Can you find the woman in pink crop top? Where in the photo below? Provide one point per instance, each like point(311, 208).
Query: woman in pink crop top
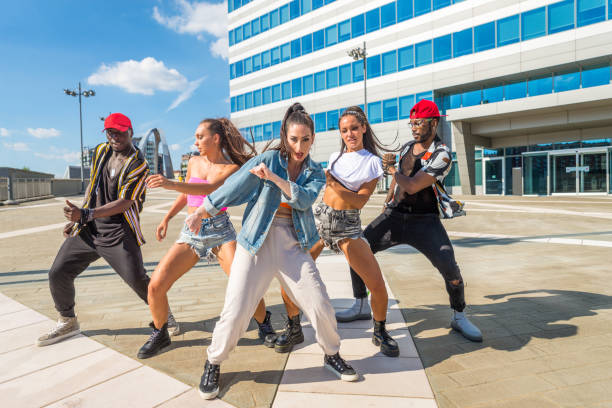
point(215, 139)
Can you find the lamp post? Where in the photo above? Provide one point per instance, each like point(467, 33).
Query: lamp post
point(358, 53)
point(87, 94)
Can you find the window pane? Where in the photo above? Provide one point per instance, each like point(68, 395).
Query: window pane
point(274, 18)
point(276, 127)
point(248, 66)
point(471, 98)
point(255, 29)
point(357, 25)
point(344, 74)
point(318, 40)
point(590, 11)
point(305, 6)
point(567, 82)
point(404, 10)
point(424, 95)
point(285, 52)
point(258, 133)
point(610, 18)
point(307, 85)
point(239, 69)
point(405, 58)
point(438, 4)
point(296, 49)
point(317, 3)
point(462, 43)
point(296, 87)
point(286, 90)
point(264, 21)
point(232, 71)
point(344, 30)
point(267, 131)
point(508, 30)
point(389, 62)
point(442, 48)
point(276, 55)
point(294, 9)
point(238, 34)
point(331, 76)
point(533, 24)
point(265, 59)
point(405, 104)
point(357, 71)
point(233, 104)
point(387, 15)
point(332, 120)
point(372, 20)
point(266, 96)
point(595, 76)
point(240, 102)
point(374, 66)
point(374, 112)
point(276, 93)
point(257, 97)
point(284, 14)
point(256, 62)
point(319, 80)
point(484, 37)
point(495, 94)
point(331, 35)
point(422, 53)
point(320, 123)
point(231, 37)
point(516, 90)
point(421, 7)
point(390, 110)
point(246, 31)
point(307, 44)
point(560, 16)
point(540, 86)
point(455, 101)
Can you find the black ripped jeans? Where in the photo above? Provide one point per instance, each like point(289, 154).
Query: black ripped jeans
point(426, 234)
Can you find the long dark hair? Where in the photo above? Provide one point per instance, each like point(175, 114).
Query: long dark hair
point(231, 141)
point(296, 114)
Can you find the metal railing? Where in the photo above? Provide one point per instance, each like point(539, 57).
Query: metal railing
point(23, 188)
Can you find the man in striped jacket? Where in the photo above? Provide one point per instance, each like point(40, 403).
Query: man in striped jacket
point(106, 226)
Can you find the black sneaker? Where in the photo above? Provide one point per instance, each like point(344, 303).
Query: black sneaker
point(159, 340)
point(338, 366)
point(209, 383)
point(291, 336)
point(266, 332)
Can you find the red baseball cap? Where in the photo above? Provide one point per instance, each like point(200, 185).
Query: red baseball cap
point(424, 109)
point(117, 121)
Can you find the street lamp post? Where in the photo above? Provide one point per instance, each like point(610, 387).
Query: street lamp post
point(87, 94)
point(358, 53)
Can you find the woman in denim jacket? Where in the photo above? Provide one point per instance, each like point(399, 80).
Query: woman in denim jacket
point(279, 187)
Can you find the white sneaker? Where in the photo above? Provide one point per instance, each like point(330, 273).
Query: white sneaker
point(66, 327)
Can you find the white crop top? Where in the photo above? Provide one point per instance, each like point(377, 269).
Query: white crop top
point(355, 168)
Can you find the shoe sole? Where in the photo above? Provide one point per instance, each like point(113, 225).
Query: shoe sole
point(209, 395)
point(287, 347)
point(467, 336)
point(352, 319)
point(343, 377)
point(57, 339)
point(389, 352)
point(162, 349)
point(269, 344)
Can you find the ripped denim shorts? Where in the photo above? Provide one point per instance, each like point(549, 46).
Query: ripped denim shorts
point(214, 232)
point(335, 225)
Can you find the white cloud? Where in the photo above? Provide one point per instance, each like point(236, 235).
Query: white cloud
point(18, 147)
point(174, 147)
point(199, 18)
point(42, 133)
point(186, 94)
point(4, 132)
point(69, 157)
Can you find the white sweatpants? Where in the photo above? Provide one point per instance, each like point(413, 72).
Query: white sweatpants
point(282, 257)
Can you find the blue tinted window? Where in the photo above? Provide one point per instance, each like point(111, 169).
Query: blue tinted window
point(285, 52)
point(264, 21)
point(318, 40)
point(294, 9)
point(344, 30)
point(539, 86)
point(257, 97)
point(274, 18)
point(276, 56)
point(560, 16)
point(375, 112)
point(374, 66)
point(421, 7)
point(248, 66)
point(533, 24)
point(255, 28)
point(258, 133)
point(276, 93)
point(331, 35)
point(516, 90)
point(284, 14)
point(233, 104)
point(405, 58)
point(296, 49)
point(495, 94)
point(462, 43)
point(240, 102)
point(239, 69)
point(265, 59)
point(507, 30)
point(455, 101)
point(231, 37)
point(256, 62)
point(442, 48)
point(595, 76)
point(246, 31)
point(307, 84)
point(316, 4)
point(405, 104)
point(238, 33)
point(422, 53)
point(357, 25)
point(404, 10)
point(357, 71)
point(276, 127)
point(389, 62)
point(267, 131)
point(331, 78)
point(319, 81)
point(266, 96)
point(306, 6)
point(438, 4)
point(387, 15)
point(232, 71)
point(567, 82)
point(484, 37)
point(344, 74)
point(390, 110)
point(590, 11)
point(372, 20)
point(610, 9)
point(320, 123)
point(286, 90)
point(471, 98)
point(424, 95)
point(296, 88)
point(307, 44)
point(332, 120)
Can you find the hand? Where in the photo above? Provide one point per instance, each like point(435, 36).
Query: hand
point(262, 171)
point(72, 212)
point(194, 222)
point(160, 232)
point(388, 162)
point(390, 170)
point(68, 229)
point(157, 180)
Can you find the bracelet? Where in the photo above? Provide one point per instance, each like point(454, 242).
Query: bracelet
point(87, 215)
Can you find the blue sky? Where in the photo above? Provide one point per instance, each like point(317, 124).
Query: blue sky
point(162, 63)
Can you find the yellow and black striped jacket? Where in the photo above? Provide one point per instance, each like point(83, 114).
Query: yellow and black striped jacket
point(131, 186)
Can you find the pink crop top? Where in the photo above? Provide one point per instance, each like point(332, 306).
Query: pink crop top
point(197, 200)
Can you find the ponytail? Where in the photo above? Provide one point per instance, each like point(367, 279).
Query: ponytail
point(231, 141)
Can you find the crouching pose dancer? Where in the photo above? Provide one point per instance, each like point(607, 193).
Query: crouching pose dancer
point(106, 226)
point(413, 208)
point(205, 173)
point(272, 245)
point(351, 180)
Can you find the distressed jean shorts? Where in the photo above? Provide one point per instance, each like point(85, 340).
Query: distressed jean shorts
point(215, 231)
point(336, 225)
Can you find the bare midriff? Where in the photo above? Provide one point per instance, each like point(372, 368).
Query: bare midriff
point(333, 200)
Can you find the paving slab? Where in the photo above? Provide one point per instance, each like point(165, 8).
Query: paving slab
point(302, 399)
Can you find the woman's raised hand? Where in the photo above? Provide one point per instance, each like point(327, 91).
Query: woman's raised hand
point(262, 171)
point(157, 180)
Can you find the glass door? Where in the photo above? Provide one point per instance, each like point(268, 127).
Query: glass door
point(563, 173)
point(592, 172)
point(535, 174)
point(494, 176)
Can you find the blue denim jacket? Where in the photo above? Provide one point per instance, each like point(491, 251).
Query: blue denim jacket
point(263, 198)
